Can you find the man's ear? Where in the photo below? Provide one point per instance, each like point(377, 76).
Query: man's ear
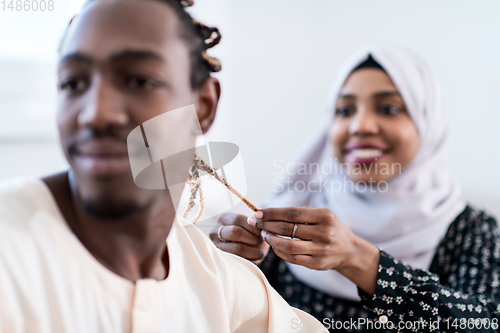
point(207, 101)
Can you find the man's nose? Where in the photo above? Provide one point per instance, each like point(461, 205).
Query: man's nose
point(104, 107)
point(364, 122)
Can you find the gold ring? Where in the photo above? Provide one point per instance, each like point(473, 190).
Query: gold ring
point(294, 230)
point(219, 234)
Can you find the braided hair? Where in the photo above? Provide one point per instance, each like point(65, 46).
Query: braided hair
point(199, 37)
point(195, 186)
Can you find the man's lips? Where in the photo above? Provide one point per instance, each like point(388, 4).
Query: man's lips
point(102, 157)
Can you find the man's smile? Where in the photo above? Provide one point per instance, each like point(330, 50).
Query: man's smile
point(102, 157)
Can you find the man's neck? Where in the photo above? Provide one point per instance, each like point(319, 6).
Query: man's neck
point(133, 247)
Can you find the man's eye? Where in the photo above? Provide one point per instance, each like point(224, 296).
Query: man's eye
point(140, 83)
point(345, 111)
point(390, 110)
point(74, 86)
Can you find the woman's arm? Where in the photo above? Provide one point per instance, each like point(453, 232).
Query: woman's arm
point(464, 298)
point(394, 292)
point(362, 269)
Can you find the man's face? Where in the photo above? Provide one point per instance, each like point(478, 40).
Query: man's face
point(122, 63)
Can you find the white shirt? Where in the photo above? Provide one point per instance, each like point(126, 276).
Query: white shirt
point(49, 282)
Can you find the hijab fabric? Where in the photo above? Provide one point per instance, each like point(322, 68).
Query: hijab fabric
point(408, 218)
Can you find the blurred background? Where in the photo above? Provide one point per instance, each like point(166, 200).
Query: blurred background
point(278, 59)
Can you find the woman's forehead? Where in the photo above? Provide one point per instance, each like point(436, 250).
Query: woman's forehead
point(367, 81)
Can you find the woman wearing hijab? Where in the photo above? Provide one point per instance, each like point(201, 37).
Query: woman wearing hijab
point(378, 234)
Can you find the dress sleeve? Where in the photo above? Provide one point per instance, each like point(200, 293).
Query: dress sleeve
point(464, 298)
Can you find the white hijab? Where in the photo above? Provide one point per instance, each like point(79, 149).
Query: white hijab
point(409, 219)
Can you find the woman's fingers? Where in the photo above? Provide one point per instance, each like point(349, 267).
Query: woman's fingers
point(302, 231)
point(298, 252)
point(297, 259)
point(294, 214)
point(290, 246)
point(235, 233)
point(321, 241)
point(243, 250)
point(240, 220)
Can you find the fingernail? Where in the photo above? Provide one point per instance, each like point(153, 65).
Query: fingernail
point(258, 214)
point(251, 220)
point(263, 233)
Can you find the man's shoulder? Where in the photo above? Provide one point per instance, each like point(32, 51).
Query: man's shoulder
point(17, 200)
point(223, 262)
point(242, 283)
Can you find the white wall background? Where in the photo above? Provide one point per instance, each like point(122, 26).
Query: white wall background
point(278, 58)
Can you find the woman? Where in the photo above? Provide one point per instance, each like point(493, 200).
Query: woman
point(381, 236)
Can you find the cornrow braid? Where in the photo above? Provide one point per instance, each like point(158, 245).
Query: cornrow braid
point(195, 186)
point(199, 37)
point(211, 37)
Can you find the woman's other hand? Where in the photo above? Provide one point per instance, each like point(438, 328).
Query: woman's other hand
point(238, 237)
point(321, 241)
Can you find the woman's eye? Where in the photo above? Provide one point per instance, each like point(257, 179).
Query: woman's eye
point(344, 111)
point(74, 86)
point(141, 83)
point(390, 110)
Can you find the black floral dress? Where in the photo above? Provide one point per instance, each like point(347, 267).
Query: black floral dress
point(459, 293)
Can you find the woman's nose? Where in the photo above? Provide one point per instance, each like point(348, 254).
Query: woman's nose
point(103, 107)
point(364, 122)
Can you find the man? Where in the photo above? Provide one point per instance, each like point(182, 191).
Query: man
point(85, 250)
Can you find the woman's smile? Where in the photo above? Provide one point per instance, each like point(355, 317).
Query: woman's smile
point(364, 153)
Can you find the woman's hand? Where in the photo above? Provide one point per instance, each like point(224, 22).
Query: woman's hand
point(321, 241)
point(239, 237)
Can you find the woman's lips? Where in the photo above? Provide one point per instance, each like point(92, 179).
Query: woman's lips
point(364, 155)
